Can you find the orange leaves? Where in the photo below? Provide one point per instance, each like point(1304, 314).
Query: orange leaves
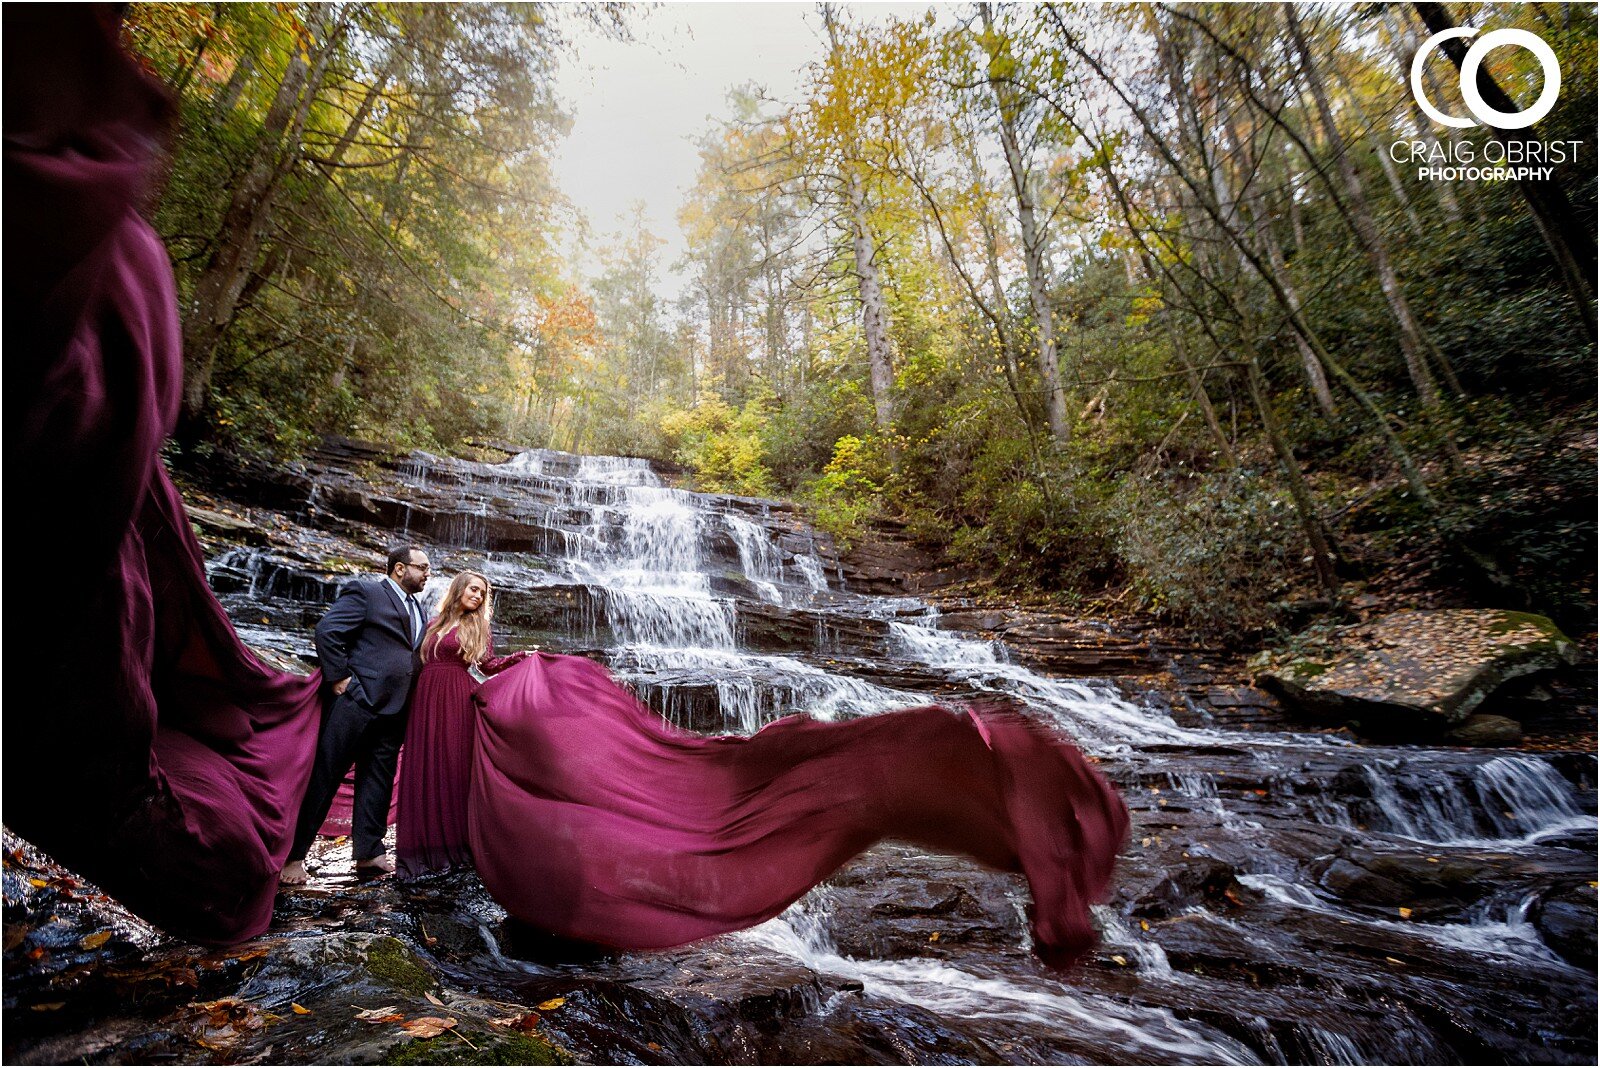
point(416, 1027)
point(96, 940)
point(387, 1014)
point(218, 1024)
point(526, 1022)
point(428, 1026)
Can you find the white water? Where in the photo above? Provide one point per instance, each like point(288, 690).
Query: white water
point(1517, 800)
point(938, 987)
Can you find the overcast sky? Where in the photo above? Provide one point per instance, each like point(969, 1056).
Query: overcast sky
point(638, 107)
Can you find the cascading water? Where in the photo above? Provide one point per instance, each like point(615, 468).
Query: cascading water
point(719, 612)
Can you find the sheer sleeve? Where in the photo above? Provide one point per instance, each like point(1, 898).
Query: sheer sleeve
point(493, 665)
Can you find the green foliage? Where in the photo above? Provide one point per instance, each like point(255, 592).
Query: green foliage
point(415, 295)
point(722, 445)
point(394, 220)
point(847, 493)
point(1214, 551)
point(496, 1048)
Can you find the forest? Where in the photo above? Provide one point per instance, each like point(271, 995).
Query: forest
point(1150, 307)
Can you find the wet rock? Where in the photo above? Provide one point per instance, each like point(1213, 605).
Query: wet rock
point(904, 904)
point(1485, 730)
point(1354, 883)
point(1566, 922)
point(1199, 882)
point(1436, 885)
point(978, 620)
point(227, 527)
point(1418, 671)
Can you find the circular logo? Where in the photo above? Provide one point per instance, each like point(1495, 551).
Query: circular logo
point(1504, 120)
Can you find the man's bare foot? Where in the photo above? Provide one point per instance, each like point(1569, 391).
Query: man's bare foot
point(375, 867)
point(293, 874)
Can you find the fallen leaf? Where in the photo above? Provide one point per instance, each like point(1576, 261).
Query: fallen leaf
point(433, 1000)
point(47, 1006)
point(16, 934)
point(219, 1024)
point(653, 1047)
point(387, 1014)
point(1144, 925)
point(96, 940)
point(1119, 959)
point(1394, 960)
point(553, 1003)
point(299, 1009)
point(427, 1026)
point(39, 882)
point(528, 1021)
point(1405, 913)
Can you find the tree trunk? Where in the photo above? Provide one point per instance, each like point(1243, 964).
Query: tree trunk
point(1267, 238)
point(1197, 387)
point(1033, 235)
point(1444, 190)
point(1375, 145)
point(1304, 504)
point(1315, 374)
point(1564, 233)
point(1414, 343)
point(244, 224)
point(234, 88)
point(874, 316)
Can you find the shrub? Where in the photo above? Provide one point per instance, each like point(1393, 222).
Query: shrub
point(1214, 550)
point(722, 444)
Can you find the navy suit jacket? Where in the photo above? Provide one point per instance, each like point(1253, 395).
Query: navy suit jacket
point(366, 637)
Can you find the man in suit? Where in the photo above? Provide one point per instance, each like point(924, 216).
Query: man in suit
point(369, 644)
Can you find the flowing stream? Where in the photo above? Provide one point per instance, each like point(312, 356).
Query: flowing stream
point(1286, 897)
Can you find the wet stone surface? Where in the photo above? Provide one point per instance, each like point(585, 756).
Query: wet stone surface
point(1283, 898)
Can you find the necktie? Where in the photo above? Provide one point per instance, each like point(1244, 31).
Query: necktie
point(416, 617)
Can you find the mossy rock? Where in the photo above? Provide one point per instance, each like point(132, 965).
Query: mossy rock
point(491, 1049)
point(1417, 673)
point(393, 964)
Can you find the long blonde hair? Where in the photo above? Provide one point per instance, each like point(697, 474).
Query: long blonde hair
point(472, 627)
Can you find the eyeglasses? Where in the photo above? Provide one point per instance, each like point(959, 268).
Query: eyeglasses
point(421, 567)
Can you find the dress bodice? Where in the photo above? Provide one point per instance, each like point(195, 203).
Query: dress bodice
point(445, 651)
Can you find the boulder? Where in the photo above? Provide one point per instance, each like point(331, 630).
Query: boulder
point(230, 528)
point(1419, 671)
point(1566, 921)
point(1485, 730)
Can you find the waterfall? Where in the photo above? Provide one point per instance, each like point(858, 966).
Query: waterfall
point(724, 614)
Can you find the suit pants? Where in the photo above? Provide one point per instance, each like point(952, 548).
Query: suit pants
point(352, 734)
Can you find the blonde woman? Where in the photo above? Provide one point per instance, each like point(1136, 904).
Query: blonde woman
point(431, 826)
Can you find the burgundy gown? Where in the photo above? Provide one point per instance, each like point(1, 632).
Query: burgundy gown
point(151, 751)
point(593, 819)
point(431, 828)
point(165, 762)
